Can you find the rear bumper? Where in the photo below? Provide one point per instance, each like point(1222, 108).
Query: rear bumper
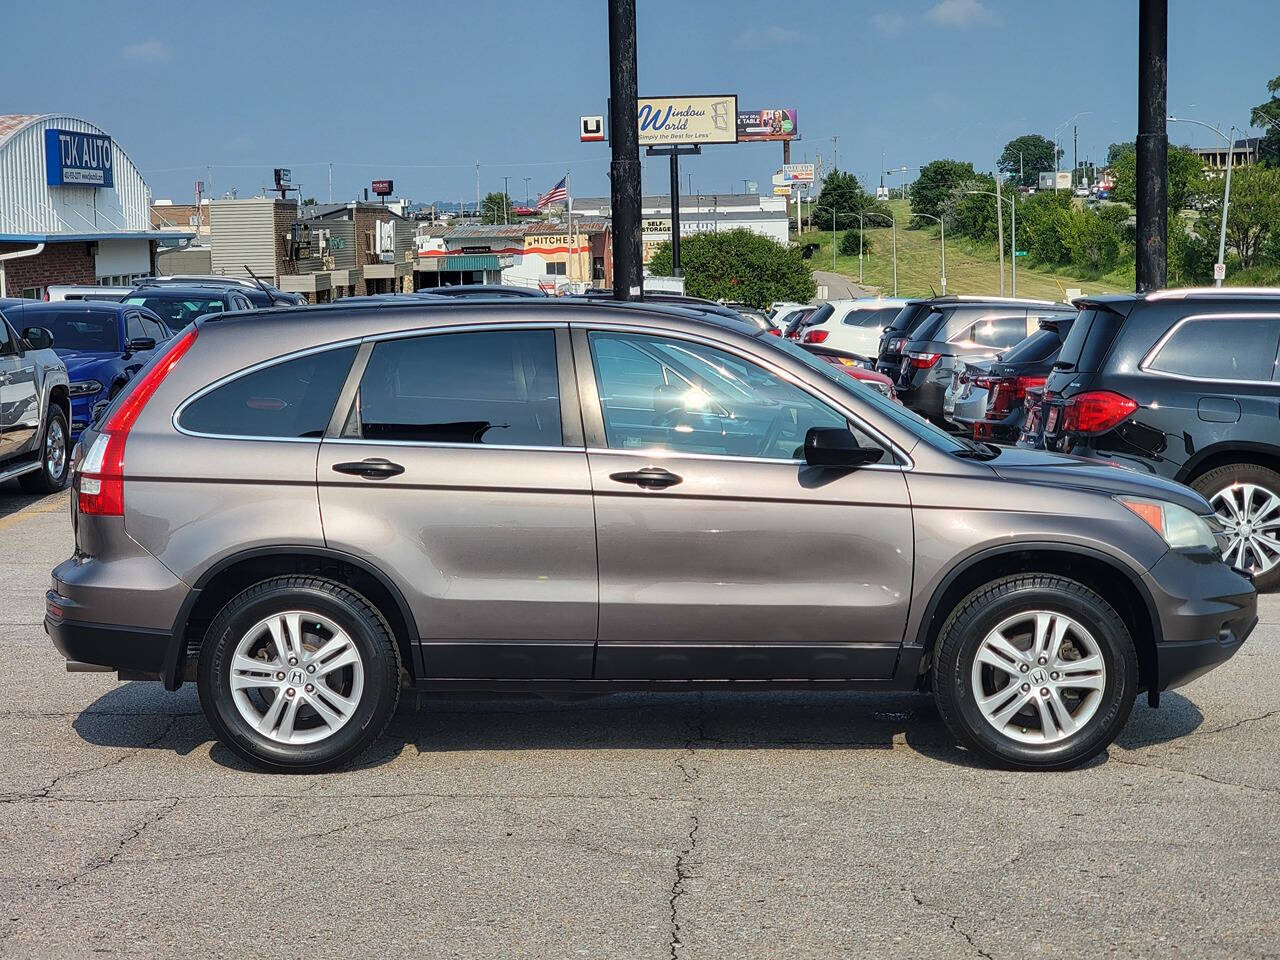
point(133, 650)
point(1207, 610)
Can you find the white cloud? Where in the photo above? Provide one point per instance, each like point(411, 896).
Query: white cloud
point(148, 51)
point(959, 13)
point(889, 23)
point(767, 37)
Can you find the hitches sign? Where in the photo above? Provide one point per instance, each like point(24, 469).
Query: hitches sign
point(667, 120)
point(74, 159)
point(592, 129)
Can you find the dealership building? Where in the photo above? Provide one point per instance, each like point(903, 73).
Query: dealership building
point(73, 208)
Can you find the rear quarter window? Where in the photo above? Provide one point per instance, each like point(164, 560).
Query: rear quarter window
point(1220, 348)
point(1090, 338)
point(292, 399)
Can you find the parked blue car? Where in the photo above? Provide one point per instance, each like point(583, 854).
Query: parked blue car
point(103, 344)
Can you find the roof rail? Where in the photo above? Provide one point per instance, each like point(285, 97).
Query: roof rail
point(1187, 293)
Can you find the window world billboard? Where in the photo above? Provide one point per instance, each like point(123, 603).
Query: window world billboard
point(671, 120)
point(75, 159)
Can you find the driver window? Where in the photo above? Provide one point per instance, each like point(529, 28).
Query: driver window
point(133, 327)
point(660, 393)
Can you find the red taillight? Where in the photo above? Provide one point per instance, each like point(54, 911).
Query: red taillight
point(1008, 393)
point(1096, 411)
point(816, 336)
point(775, 331)
point(100, 487)
point(922, 361)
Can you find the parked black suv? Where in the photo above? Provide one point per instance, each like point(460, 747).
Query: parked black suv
point(1182, 383)
point(959, 329)
point(895, 336)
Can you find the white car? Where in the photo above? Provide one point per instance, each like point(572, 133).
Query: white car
point(852, 326)
point(85, 292)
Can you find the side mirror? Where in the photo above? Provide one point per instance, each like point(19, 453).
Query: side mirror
point(139, 344)
point(40, 338)
point(836, 447)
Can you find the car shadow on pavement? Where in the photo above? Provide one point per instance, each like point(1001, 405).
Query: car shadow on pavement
point(13, 499)
point(142, 716)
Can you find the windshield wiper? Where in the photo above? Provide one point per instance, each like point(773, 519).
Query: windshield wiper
point(975, 450)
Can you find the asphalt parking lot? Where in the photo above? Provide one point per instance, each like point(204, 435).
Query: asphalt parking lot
point(663, 826)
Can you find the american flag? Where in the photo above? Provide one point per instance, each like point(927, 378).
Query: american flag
point(557, 194)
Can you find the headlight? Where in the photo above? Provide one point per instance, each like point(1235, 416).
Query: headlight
point(85, 388)
point(1179, 527)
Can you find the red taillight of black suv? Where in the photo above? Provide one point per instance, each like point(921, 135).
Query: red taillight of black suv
point(922, 361)
point(1006, 394)
point(1096, 411)
point(100, 485)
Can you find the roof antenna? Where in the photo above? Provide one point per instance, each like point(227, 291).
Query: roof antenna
point(263, 287)
point(932, 292)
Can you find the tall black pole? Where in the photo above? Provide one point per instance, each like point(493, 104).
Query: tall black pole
point(1153, 144)
point(675, 212)
point(624, 136)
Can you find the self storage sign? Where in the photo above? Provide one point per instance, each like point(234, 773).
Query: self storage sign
point(75, 159)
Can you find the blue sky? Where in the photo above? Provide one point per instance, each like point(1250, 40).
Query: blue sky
point(420, 92)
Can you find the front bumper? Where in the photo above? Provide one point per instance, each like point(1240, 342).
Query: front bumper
point(1207, 610)
point(82, 412)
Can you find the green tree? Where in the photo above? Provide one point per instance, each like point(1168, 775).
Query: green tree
point(1026, 156)
point(1118, 151)
point(496, 208)
point(1091, 241)
point(1042, 220)
point(1187, 182)
point(849, 245)
point(842, 194)
point(1252, 216)
point(739, 265)
point(934, 185)
point(1268, 115)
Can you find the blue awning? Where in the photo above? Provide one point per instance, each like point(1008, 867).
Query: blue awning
point(160, 235)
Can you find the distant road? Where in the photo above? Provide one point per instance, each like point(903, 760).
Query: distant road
point(839, 287)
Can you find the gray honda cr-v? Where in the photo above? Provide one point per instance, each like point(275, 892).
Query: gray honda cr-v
point(306, 510)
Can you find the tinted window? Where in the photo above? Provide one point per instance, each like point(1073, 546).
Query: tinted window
point(1089, 340)
point(6, 342)
point(133, 326)
point(871, 318)
point(910, 316)
point(1041, 345)
point(176, 310)
point(498, 387)
point(658, 393)
point(79, 328)
point(293, 398)
point(1221, 348)
point(154, 329)
point(997, 332)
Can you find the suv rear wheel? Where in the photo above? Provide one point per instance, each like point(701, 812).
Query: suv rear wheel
point(1035, 672)
point(1246, 498)
point(55, 451)
point(299, 674)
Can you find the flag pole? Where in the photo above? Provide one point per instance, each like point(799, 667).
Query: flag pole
point(569, 196)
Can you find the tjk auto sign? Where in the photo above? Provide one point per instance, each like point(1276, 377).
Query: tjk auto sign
point(75, 159)
point(668, 120)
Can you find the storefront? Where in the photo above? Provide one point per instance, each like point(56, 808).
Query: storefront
point(73, 208)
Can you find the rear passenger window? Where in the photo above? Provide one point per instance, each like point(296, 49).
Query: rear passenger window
point(998, 332)
point(292, 399)
point(493, 387)
point(1221, 348)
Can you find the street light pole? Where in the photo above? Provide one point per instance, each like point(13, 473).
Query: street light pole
point(860, 241)
point(1013, 233)
point(942, 224)
point(1226, 192)
point(1000, 232)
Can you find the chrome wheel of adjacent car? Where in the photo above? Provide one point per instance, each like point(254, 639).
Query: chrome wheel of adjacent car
point(296, 677)
point(55, 449)
point(1251, 515)
point(1038, 677)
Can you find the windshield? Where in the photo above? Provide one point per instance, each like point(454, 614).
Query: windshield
point(177, 310)
point(80, 330)
point(915, 424)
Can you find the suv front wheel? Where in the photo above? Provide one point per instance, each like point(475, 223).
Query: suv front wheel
point(299, 674)
point(1035, 672)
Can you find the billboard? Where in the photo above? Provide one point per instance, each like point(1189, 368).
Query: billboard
point(767, 125)
point(591, 129)
point(1051, 180)
point(668, 120)
point(284, 178)
point(796, 173)
point(75, 159)
point(382, 188)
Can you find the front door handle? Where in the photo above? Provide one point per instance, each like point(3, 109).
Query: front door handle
point(374, 468)
point(651, 478)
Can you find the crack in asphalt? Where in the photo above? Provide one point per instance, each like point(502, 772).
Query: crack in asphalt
point(102, 862)
point(1199, 776)
point(689, 774)
point(955, 925)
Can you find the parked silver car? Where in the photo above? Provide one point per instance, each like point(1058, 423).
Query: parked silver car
point(35, 410)
point(317, 506)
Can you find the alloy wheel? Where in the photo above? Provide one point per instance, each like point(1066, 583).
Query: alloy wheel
point(1251, 516)
point(296, 677)
point(55, 450)
point(1038, 677)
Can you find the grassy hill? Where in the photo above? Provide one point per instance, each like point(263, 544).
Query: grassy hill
point(971, 267)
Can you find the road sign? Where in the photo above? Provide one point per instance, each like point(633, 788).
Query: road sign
point(779, 191)
point(591, 129)
point(1219, 271)
point(1019, 253)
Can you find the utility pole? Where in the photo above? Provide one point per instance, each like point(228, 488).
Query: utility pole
point(331, 181)
point(624, 169)
point(477, 188)
point(835, 154)
point(1153, 145)
point(526, 190)
point(504, 202)
point(1075, 155)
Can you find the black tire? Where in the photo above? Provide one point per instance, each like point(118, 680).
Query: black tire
point(50, 480)
point(1208, 485)
point(347, 609)
point(977, 615)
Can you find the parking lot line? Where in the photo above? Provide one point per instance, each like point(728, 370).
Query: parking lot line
point(39, 507)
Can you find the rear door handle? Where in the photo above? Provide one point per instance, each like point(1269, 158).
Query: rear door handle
point(651, 478)
point(374, 468)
